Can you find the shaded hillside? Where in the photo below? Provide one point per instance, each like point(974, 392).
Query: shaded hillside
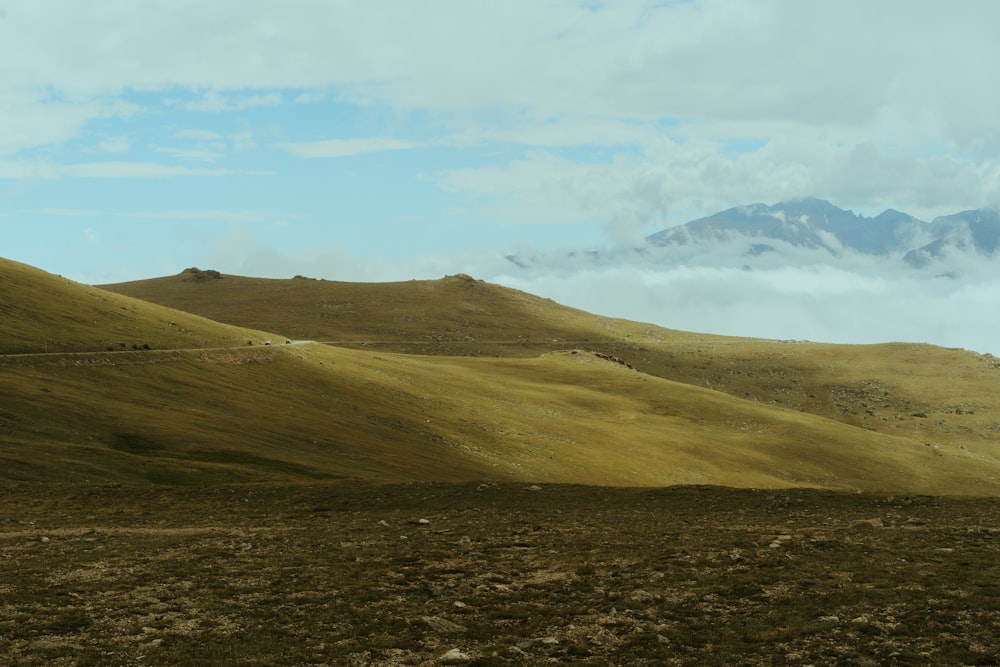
point(46, 313)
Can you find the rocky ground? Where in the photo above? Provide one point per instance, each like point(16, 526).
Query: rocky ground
point(485, 574)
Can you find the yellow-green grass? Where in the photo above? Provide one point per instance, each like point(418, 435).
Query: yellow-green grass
point(310, 412)
point(43, 313)
point(938, 397)
point(692, 409)
point(453, 315)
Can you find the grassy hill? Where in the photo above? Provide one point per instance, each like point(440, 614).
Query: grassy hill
point(456, 315)
point(46, 313)
point(544, 411)
point(945, 399)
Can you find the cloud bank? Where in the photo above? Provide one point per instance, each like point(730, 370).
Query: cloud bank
point(854, 300)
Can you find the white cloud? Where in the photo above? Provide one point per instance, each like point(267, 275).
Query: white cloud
point(669, 182)
point(65, 212)
point(198, 135)
point(855, 301)
point(817, 80)
point(45, 170)
point(234, 216)
point(31, 118)
point(821, 303)
point(195, 154)
point(722, 59)
point(330, 148)
point(215, 101)
point(115, 145)
point(636, 114)
point(309, 98)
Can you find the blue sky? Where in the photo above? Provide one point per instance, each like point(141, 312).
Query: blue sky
point(388, 139)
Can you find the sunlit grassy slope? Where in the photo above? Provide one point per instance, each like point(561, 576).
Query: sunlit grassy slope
point(313, 411)
point(943, 398)
point(45, 313)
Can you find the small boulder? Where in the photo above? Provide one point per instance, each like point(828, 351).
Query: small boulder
point(455, 657)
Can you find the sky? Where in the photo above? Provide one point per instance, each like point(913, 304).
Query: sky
point(377, 140)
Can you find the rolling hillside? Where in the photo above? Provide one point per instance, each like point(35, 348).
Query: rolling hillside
point(46, 313)
point(938, 397)
point(310, 412)
point(454, 315)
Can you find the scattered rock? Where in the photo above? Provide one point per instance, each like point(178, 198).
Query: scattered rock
point(454, 657)
point(198, 275)
point(641, 596)
point(779, 540)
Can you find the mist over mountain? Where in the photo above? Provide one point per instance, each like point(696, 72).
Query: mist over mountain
point(973, 232)
point(807, 223)
point(799, 269)
point(806, 230)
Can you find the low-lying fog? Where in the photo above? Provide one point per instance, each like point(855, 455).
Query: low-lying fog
point(789, 293)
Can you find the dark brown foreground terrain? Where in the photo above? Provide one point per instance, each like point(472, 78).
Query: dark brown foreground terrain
point(356, 573)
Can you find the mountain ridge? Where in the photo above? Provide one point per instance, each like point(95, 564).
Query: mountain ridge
point(810, 225)
point(807, 222)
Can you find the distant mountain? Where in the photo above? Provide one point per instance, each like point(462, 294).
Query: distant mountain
point(976, 231)
point(805, 223)
point(781, 232)
point(813, 223)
